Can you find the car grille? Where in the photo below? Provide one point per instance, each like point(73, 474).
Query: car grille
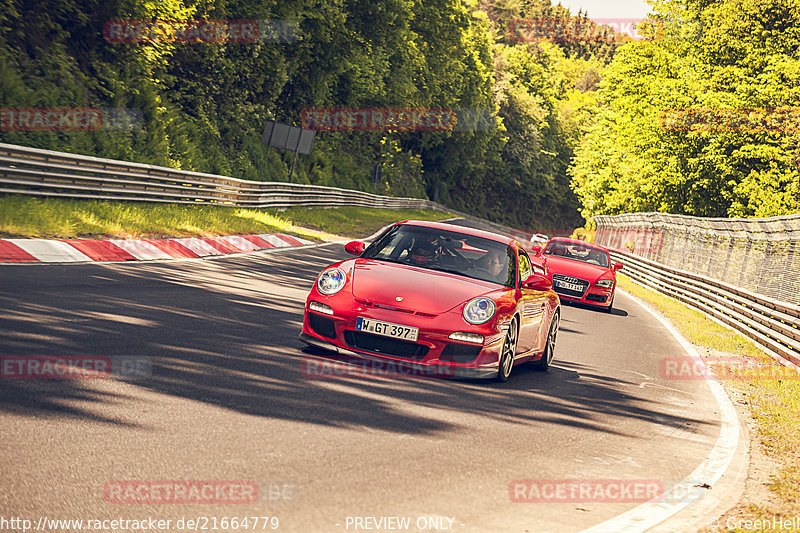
point(596, 297)
point(385, 345)
point(460, 353)
point(321, 325)
point(569, 292)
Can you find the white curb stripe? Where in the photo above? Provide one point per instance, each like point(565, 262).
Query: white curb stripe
point(141, 250)
point(198, 246)
point(647, 515)
point(62, 251)
point(50, 251)
point(274, 240)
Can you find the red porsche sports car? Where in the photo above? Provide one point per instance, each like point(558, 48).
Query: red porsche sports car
point(581, 272)
point(442, 299)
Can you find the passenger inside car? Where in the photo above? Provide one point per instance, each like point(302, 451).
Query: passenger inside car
point(559, 250)
point(595, 257)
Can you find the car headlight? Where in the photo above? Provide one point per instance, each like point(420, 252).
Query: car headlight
point(479, 310)
point(607, 283)
point(538, 270)
point(331, 281)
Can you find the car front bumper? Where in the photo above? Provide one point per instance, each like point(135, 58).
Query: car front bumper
point(594, 296)
point(407, 368)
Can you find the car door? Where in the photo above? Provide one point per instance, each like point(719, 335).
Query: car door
point(532, 308)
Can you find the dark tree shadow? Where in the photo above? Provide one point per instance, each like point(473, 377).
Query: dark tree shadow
point(225, 332)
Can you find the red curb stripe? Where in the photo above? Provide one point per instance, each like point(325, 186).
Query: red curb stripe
point(221, 245)
point(11, 253)
point(240, 242)
point(290, 240)
point(174, 249)
point(258, 241)
point(100, 250)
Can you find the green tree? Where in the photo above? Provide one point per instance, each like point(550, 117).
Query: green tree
point(703, 60)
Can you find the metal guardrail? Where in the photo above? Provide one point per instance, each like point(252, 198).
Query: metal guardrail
point(773, 324)
point(38, 172)
point(33, 171)
point(761, 255)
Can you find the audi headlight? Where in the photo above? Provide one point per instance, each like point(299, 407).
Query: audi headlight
point(479, 310)
point(607, 283)
point(331, 281)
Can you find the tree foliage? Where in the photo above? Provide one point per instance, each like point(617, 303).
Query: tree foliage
point(704, 60)
point(203, 105)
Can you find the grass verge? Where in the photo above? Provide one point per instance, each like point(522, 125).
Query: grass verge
point(25, 216)
point(772, 402)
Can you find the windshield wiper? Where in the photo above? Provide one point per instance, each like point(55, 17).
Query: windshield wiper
point(387, 259)
point(449, 271)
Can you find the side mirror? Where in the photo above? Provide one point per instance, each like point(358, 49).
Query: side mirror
point(536, 250)
point(355, 247)
point(617, 266)
point(537, 282)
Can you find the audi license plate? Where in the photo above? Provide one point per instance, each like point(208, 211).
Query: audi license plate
point(570, 286)
point(387, 329)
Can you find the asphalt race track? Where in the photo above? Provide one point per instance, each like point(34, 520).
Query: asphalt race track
point(223, 393)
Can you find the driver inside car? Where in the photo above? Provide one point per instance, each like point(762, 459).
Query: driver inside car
point(423, 254)
point(495, 263)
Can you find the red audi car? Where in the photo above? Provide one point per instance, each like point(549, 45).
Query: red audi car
point(442, 299)
point(581, 272)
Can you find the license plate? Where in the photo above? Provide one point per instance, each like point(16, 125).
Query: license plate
point(387, 329)
point(569, 286)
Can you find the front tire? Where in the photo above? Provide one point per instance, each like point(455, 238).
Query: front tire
point(506, 362)
point(610, 306)
point(543, 364)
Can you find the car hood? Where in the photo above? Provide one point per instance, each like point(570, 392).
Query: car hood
point(578, 269)
point(421, 290)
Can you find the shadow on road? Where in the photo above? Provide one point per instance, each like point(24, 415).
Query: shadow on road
point(224, 332)
point(615, 311)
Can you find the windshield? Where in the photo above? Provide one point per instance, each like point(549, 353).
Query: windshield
point(447, 251)
point(578, 252)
